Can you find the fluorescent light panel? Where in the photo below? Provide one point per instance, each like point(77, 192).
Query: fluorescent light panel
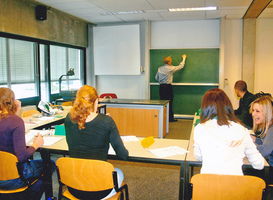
point(123, 12)
point(192, 9)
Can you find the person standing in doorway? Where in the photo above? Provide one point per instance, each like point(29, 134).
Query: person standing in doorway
point(164, 76)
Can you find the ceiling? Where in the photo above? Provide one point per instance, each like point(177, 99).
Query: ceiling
point(94, 11)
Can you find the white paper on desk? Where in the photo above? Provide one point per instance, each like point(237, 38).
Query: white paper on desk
point(111, 151)
point(129, 138)
point(42, 132)
point(46, 118)
point(32, 133)
point(49, 140)
point(168, 151)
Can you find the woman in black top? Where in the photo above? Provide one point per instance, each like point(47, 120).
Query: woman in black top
point(89, 133)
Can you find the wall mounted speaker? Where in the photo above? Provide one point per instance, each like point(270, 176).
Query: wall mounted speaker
point(40, 12)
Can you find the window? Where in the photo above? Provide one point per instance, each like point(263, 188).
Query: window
point(21, 71)
point(18, 67)
point(61, 60)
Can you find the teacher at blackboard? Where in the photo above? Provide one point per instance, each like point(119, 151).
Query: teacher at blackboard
point(164, 76)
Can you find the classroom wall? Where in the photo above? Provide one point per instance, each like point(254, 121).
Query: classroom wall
point(264, 56)
point(231, 41)
point(173, 34)
point(18, 17)
point(185, 34)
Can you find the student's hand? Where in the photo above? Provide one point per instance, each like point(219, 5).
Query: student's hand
point(184, 56)
point(108, 114)
point(38, 141)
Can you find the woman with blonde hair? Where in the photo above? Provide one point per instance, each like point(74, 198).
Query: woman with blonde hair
point(262, 113)
point(12, 140)
point(89, 133)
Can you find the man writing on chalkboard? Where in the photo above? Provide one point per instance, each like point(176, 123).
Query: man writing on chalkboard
point(164, 76)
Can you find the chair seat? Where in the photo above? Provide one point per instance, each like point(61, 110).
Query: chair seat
point(13, 191)
point(68, 195)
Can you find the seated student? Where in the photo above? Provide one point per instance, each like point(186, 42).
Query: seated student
point(246, 99)
point(12, 140)
point(262, 113)
point(215, 135)
point(89, 133)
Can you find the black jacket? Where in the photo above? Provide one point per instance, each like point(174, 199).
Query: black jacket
point(243, 111)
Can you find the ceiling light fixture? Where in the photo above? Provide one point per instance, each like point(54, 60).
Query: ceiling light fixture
point(192, 9)
point(123, 12)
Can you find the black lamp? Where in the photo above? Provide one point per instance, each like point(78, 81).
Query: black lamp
point(69, 73)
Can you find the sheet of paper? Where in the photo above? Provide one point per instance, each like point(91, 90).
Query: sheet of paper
point(49, 140)
point(129, 138)
point(32, 133)
point(111, 151)
point(168, 151)
point(42, 132)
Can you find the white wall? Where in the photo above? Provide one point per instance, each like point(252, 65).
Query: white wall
point(232, 47)
point(185, 34)
point(264, 56)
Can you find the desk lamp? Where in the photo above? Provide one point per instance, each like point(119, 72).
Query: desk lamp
point(69, 73)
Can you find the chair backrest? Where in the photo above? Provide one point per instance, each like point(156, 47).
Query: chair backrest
point(8, 169)
point(67, 103)
point(30, 113)
point(228, 187)
point(112, 95)
point(85, 174)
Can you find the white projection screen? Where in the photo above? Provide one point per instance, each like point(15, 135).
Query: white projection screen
point(117, 50)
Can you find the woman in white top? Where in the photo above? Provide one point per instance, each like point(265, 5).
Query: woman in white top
point(214, 137)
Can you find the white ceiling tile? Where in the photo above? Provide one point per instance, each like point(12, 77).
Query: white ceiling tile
point(156, 10)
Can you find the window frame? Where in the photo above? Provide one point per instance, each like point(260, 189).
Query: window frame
point(52, 97)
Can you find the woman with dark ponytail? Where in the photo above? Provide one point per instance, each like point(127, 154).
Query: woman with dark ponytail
point(89, 133)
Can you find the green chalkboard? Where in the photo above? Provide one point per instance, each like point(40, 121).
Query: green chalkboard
point(202, 65)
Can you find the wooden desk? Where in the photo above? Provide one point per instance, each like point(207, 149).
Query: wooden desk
point(139, 117)
point(136, 153)
point(191, 162)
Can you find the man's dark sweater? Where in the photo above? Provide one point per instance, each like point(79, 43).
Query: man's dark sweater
point(243, 111)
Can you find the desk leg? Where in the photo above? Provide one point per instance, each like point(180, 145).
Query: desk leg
point(181, 182)
point(47, 179)
point(186, 181)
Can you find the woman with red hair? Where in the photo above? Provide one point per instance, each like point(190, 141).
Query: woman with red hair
point(89, 133)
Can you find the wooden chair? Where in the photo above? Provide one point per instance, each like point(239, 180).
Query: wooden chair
point(88, 175)
point(67, 103)
point(111, 95)
point(227, 187)
point(30, 113)
point(9, 171)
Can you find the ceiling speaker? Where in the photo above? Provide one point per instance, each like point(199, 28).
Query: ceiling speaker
point(40, 12)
